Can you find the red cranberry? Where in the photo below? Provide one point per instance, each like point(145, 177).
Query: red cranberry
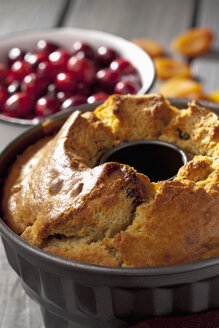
point(66, 81)
point(15, 54)
point(35, 58)
point(122, 66)
point(97, 66)
point(19, 105)
point(82, 89)
point(51, 89)
point(46, 46)
point(47, 70)
point(84, 48)
point(75, 100)
point(97, 97)
point(20, 68)
point(3, 96)
point(96, 88)
point(80, 54)
point(10, 114)
point(133, 79)
point(3, 74)
point(125, 87)
point(14, 87)
point(83, 68)
point(30, 117)
point(105, 55)
point(107, 77)
point(61, 96)
point(10, 77)
point(34, 85)
point(59, 59)
point(46, 106)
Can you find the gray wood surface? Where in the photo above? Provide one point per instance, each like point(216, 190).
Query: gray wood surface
point(17, 310)
point(9, 132)
point(158, 19)
point(206, 67)
point(28, 14)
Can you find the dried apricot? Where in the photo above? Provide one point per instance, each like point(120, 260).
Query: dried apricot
point(182, 87)
point(193, 42)
point(152, 47)
point(169, 67)
point(213, 96)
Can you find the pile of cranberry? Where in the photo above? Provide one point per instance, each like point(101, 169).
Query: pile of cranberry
point(52, 78)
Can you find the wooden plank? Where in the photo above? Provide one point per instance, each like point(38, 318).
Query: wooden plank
point(16, 308)
point(8, 132)
point(160, 20)
point(28, 14)
point(208, 16)
point(206, 67)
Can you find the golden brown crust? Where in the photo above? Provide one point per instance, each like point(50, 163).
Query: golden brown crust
point(57, 197)
point(195, 130)
point(65, 197)
point(107, 192)
point(93, 253)
point(180, 225)
point(15, 182)
point(134, 118)
point(89, 146)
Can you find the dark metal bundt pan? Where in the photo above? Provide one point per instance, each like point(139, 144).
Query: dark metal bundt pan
point(73, 294)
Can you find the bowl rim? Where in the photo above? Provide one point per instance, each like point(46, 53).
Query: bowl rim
point(170, 270)
point(50, 32)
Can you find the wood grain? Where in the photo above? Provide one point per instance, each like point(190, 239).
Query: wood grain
point(131, 19)
point(161, 20)
point(28, 14)
point(206, 67)
point(17, 310)
point(8, 132)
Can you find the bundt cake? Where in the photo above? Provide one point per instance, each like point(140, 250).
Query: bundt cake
point(57, 197)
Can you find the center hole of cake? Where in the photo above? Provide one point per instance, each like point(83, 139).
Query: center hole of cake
point(157, 159)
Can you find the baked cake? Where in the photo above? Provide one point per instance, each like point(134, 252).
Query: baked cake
point(57, 197)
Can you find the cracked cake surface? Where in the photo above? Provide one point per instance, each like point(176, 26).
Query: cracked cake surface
point(57, 197)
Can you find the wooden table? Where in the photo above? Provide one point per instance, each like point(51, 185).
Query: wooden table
point(161, 20)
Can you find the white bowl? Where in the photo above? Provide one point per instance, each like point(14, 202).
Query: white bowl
point(66, 36)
